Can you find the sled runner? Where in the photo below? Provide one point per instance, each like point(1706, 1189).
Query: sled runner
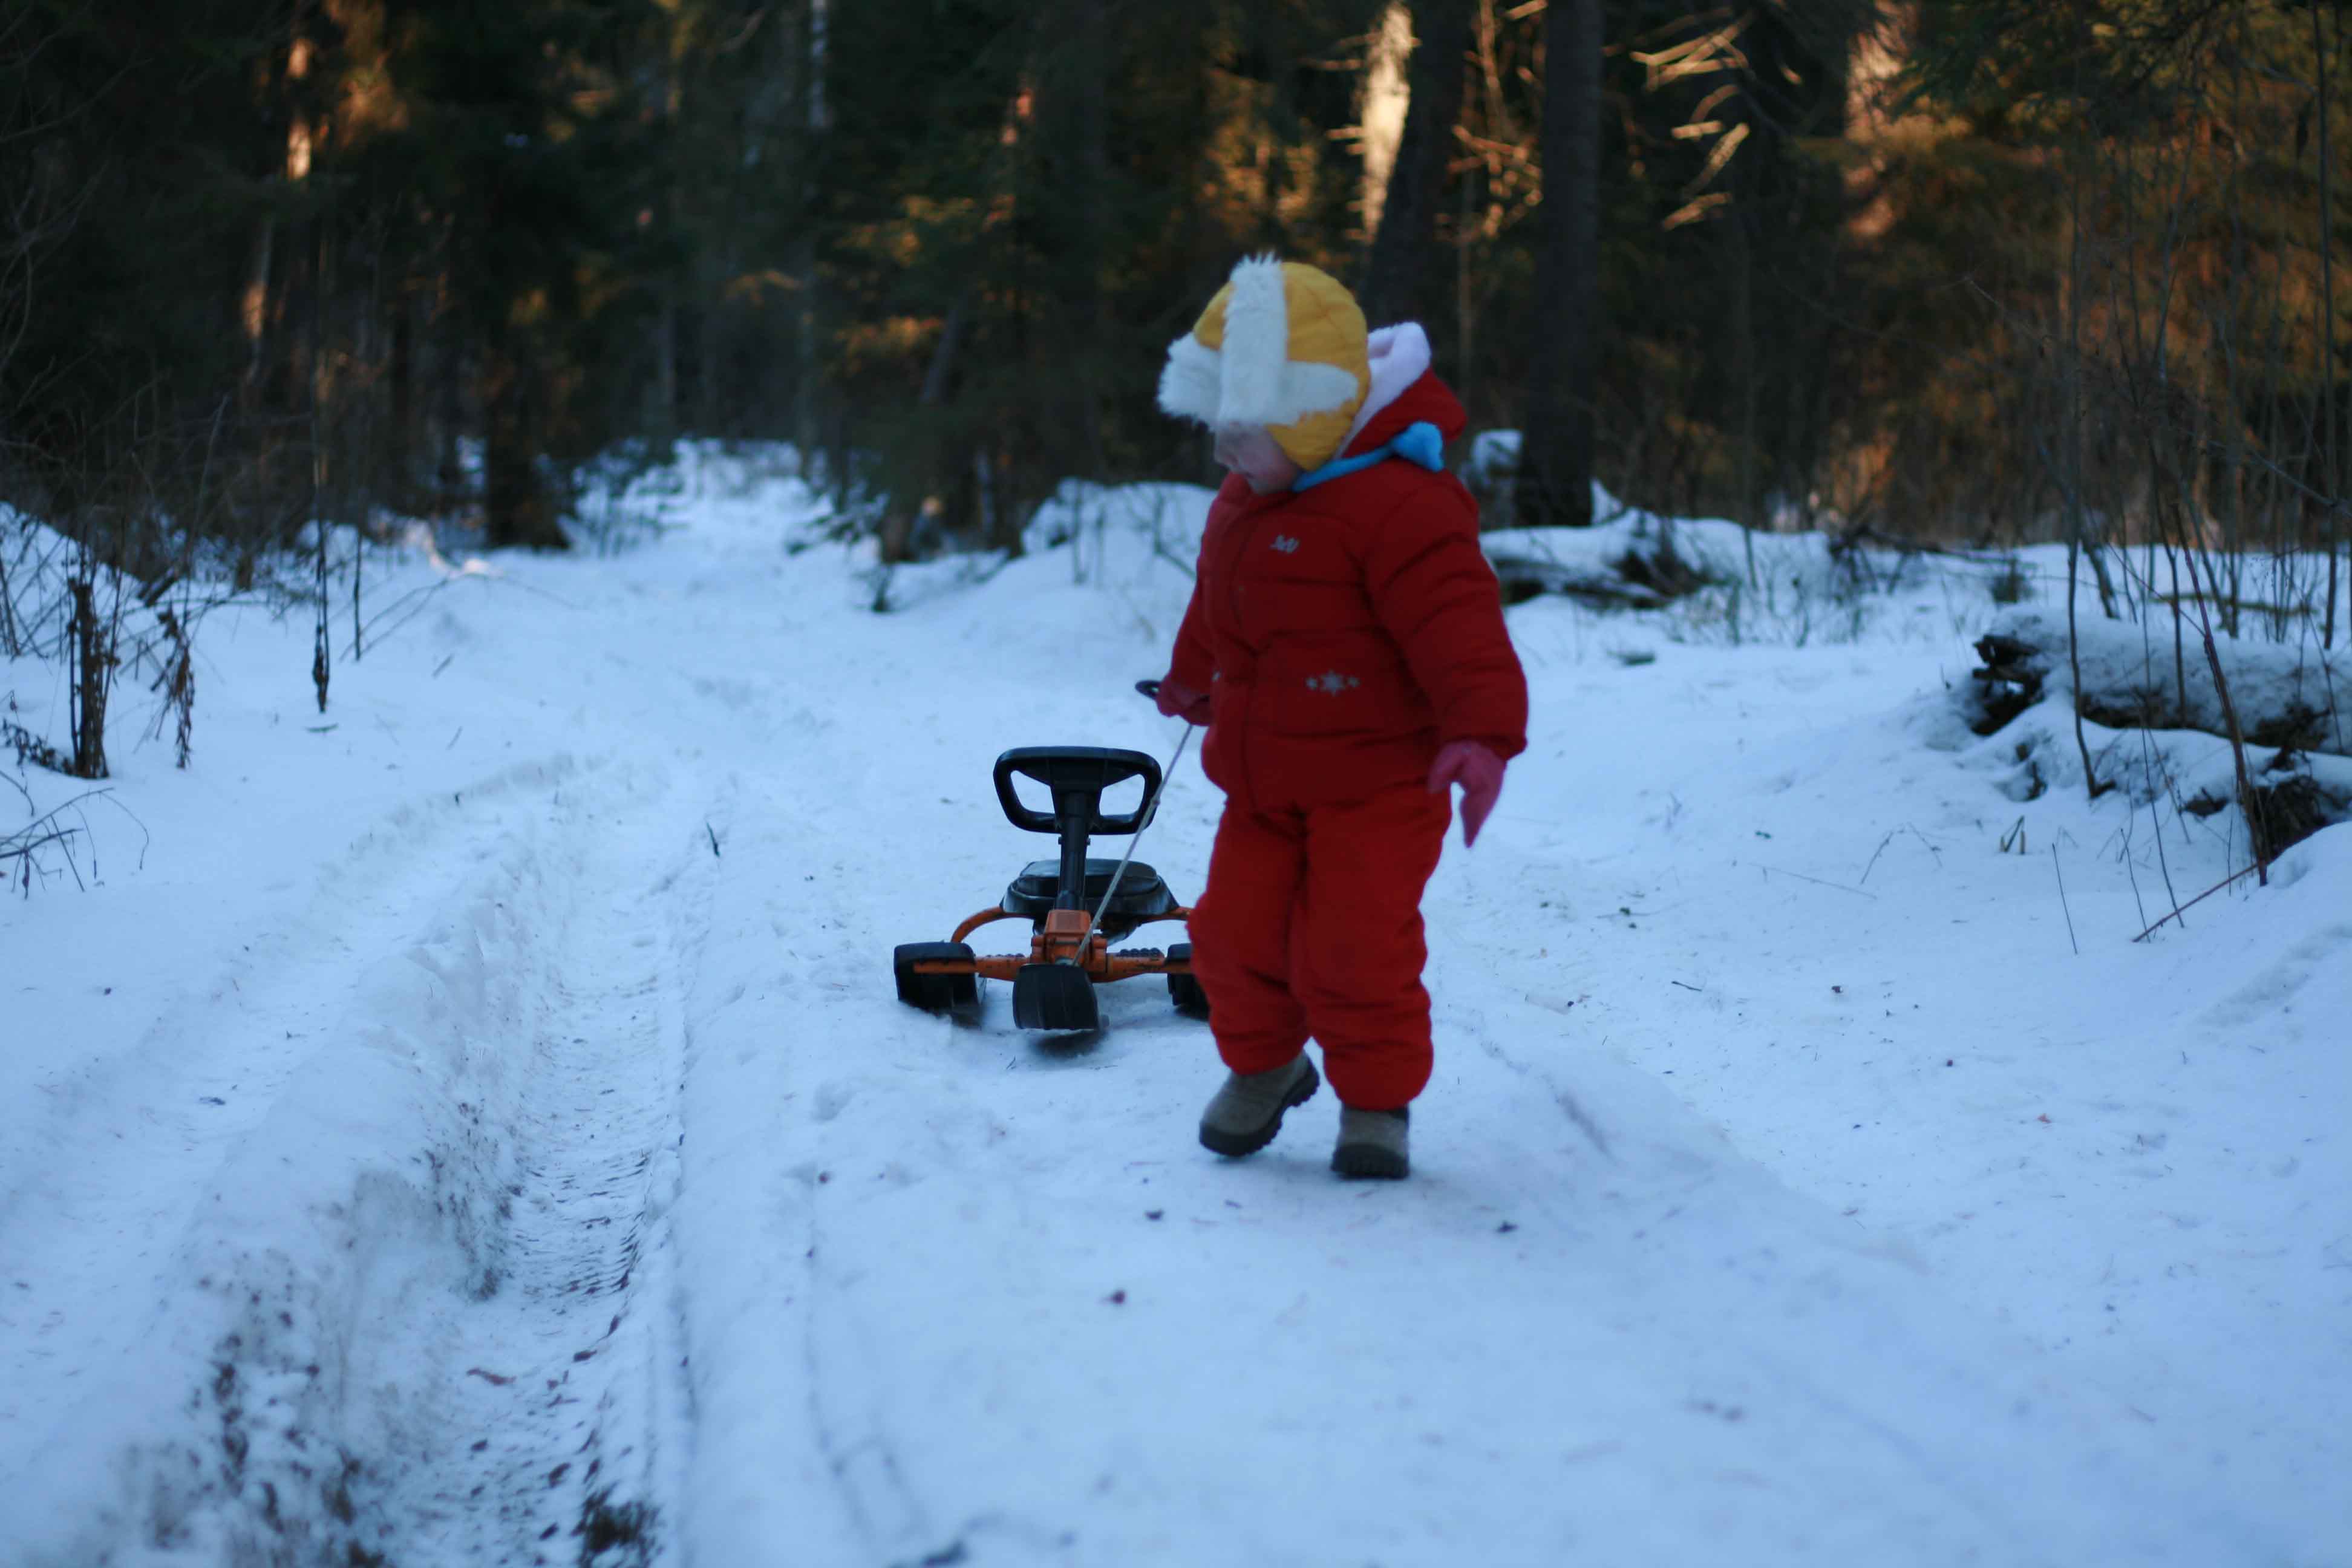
point(1076, 907)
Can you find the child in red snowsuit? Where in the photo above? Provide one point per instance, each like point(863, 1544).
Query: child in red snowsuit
point(1345, 647)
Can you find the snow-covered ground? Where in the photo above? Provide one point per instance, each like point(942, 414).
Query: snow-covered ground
point(475, 1125)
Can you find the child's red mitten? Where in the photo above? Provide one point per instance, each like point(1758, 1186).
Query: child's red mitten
point(1179, 700)
point(1475, 767)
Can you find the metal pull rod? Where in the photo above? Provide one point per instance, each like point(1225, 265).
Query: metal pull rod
point(1151, 810)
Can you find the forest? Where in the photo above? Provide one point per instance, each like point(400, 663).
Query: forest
point(1977, 273)
point(668, 856)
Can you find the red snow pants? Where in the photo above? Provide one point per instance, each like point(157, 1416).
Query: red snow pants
point(1310, 925)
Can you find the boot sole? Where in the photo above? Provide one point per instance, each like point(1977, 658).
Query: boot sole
point(1235, 1145)
point(1370, 1161)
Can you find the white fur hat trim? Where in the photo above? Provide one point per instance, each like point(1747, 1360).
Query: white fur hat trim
point(1253, 380)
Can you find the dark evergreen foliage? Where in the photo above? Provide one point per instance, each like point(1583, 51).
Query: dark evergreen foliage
point(263, 261)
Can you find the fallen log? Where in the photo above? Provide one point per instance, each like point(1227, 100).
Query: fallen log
point(1643, 574)
point(1525, 577)
point(2154, 675)
point(2289, 701)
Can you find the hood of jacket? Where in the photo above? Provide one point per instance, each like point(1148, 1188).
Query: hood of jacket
point(1405, 391)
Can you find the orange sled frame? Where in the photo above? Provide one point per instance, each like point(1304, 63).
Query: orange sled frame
point(1069, 955)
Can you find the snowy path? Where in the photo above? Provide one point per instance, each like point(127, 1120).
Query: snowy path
point(1033, 1324)
point(525, 1159)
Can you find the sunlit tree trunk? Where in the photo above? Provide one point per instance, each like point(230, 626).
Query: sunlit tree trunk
point(1555, 478)
point(1404, 247)
point(1383, 101)
point(253, 308)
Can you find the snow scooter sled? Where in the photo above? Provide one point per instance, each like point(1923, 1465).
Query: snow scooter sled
point(1076, 907)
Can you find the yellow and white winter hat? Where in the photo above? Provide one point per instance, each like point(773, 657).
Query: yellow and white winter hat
point(1282, 345)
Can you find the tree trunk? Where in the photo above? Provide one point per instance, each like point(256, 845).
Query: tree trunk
point(939, 381)
point(1095, 63)
point(662, 416)
point(401, 415)
point(254, 308)
point(321, 643)
point(808, 359)
point(1556, 436)
point(449, 405)
point(2328, 328)
point(1404, 247)
point(517, 511)
point(809, 323)
point(90, 648)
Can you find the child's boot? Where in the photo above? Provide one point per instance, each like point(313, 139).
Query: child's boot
point(1372, 1143)
point(1247, 1112)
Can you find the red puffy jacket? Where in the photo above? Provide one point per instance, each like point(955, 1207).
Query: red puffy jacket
point(1346, 632)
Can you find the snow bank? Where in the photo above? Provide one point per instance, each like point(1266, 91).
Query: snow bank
point(1716, 583)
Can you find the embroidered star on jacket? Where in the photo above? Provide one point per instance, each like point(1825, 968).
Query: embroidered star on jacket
point(1331, 683)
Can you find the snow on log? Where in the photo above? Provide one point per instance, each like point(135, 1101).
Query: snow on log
point(2154, 675)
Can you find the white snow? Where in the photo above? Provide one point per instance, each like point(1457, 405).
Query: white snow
point(475, 1125)
point(2171, 676)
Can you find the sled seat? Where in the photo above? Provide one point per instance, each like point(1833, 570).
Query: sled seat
point(1141, 893)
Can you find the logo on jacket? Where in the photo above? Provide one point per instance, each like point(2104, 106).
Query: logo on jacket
point(1331, 683)
point(1286, 545)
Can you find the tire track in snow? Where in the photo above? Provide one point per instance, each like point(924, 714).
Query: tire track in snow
point(570, 1385)
point(201, 1078)
point(171, 1107)
point(430, 1292)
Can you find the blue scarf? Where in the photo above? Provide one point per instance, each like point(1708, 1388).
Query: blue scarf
point(1418, 442)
